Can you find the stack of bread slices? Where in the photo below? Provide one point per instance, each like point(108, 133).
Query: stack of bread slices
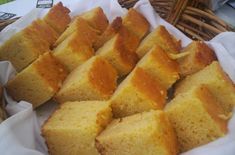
point(121, 89)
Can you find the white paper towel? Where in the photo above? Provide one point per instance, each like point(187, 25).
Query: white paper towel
point(20, 133)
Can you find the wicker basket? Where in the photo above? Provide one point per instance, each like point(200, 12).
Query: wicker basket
point(192, 17)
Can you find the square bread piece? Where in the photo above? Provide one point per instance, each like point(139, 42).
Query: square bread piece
point(161, 37)
point(58, 17)
point(42, 29)
point(216, 80)
point(38, 82)
point(136, 23)
point(197, 118)
point(74, 51)
point(157, 63)
point(26, 45)
point(200, 55)
point(115, 52)
point(96, 18)
point(109, 32)
point(147, 133)
point(71, 129)
point(94, 80)
point(81, 26)
point(138, 92)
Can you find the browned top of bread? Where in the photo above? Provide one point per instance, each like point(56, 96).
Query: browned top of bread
point(105, 83)
point(58, 17)
point(200, 55)
point(109, 32)
point(81, 26)
point(96, 18)
point(168, 40)
point(43, 30)
point(162, 58)
point(51, 75)
point(136, 23)
point(145, 83)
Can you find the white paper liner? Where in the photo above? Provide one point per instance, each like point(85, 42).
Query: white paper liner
point(20, 133)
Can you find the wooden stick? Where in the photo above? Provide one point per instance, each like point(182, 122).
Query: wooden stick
point(208, 15)
point(200, 32)
point(200, 23)
point(189, 32)
point(207, 20)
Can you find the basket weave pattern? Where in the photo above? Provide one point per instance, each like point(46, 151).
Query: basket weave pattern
point(192, 17)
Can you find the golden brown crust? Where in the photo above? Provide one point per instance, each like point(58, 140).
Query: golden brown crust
point(103, 77)
point(161, 37)
point(109, 32)
point(212, 106)
point(160, 66)
point(200, 55)
point(82, 28)
point(136, 23)
point(96, 18)
point(51, 70)
point(145, 83)
point(126, 56)
point(168, 40)
point(58, 17)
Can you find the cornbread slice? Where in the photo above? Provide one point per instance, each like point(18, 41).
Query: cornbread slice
point(38, 82)
point(147, 133)
point(42, 29)
point(157, 63)
point(115, 52)
point(200, 55)
point(161, 37)
point(137, 93)
point(74, 51)
point(217, 82)
point(94, 80)
point(71, 129)
point(81, 26)
point(136, 23)
point(58, 17)
point(196, 116)
point(97, 19)
point(130, 40)
point(26, 45)
point(109, 32)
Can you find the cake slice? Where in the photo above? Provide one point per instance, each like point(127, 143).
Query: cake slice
point(157, 63)
point(94, 80)
point(200, 55)
point(44, 31)
point(72, 128)
point(147, 133)
point(74, 51)
point(26, 45)
point(161, 37)
point(38, 82)
point(109, 32)
point(197, 117)
point(217, 82)
point(58, 17)
point(79, 25)
point(115, 52)
point(138, 92)
point(96, 18)
point(136, 23)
